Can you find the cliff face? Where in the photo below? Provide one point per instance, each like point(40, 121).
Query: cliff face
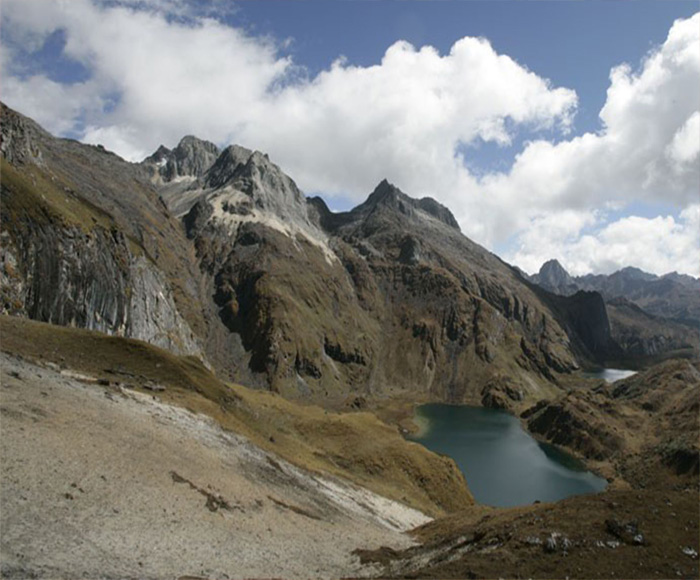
point(606, 312)
point(385, 299)
point(67, 261)
point(641, 334)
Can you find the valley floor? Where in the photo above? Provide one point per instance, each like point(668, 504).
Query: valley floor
point(99, 481)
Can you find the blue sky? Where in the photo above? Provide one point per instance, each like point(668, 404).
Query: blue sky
point(526, 136)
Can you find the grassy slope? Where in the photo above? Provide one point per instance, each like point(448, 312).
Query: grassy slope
point(356, 446)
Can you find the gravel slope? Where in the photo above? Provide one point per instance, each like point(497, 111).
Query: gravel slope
point(98, 482)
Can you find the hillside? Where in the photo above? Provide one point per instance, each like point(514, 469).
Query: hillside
point(219, 254)
point(642, 433)
point(650, 318)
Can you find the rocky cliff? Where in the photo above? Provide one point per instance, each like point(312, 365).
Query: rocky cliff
point(645, 317)
point(387, 298)
point(86, 242)
point(675, 296)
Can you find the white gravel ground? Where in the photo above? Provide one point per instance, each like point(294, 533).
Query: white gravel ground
point(101, 483)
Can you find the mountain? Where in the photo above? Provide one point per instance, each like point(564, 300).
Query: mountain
point(87, 241)
point(650, 317)
point(221, 268)
point(387, 298)
point(553, 277)
point(673, 295)
point(218, 253)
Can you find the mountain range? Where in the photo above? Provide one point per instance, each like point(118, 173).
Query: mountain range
point(132, 296)
point(673, 295)
point(218, 254)
point(649, 314)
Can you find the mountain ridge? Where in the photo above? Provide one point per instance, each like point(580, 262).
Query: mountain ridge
point(280, 292)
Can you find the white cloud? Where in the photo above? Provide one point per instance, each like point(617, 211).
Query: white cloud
point(169, 72)
point(685, 146)
point(646, 149)
point(656, 245)
point(170, 76)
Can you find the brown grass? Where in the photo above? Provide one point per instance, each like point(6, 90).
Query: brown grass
point(356, 446)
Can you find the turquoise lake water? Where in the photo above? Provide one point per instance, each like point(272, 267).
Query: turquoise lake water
point(502, 463)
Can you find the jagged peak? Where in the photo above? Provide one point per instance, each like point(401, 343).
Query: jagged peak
point(635, 273)
point(190, 142)
point(160, 154)
point(439, 211)
point(387, 194)
point(19, 136)
point(552, 264)
point(191, 158)
point(227, 164)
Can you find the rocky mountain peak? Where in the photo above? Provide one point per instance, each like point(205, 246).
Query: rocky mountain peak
point(252, 173)
point(554, 272)
point(553, 277)
point(161, 154)
point(386, 194)
point(632, 273)
point(190, 159)
point(245, 187)
point(226, 165)
point(439, 211)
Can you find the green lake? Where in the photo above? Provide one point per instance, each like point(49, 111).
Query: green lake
point(502, 463)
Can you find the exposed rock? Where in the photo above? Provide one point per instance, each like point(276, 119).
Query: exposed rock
point(191, 158)
point(642, 335)
point(673, 295)
point(554, 278)
point(93, 248)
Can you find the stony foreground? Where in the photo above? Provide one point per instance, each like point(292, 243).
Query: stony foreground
point(104, 482)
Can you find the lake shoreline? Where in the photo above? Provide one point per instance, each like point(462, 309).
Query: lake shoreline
point(493, 448)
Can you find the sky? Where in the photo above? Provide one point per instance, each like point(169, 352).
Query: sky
point(551, 129)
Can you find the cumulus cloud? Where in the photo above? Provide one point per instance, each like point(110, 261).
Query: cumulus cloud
point(160, 69)
point(657, 245)
point(162, 74)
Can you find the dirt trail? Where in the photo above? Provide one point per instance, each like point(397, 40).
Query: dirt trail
point(108, 483)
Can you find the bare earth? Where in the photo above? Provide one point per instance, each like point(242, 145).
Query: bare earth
point(99, 482)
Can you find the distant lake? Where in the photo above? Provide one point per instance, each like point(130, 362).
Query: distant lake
point(610, 375)
point(503, 464)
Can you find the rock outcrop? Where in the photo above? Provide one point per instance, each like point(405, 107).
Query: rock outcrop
point(675, 296)
point(89, 248)
point(553, 277)
point(190, 159)
point(646, 425)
